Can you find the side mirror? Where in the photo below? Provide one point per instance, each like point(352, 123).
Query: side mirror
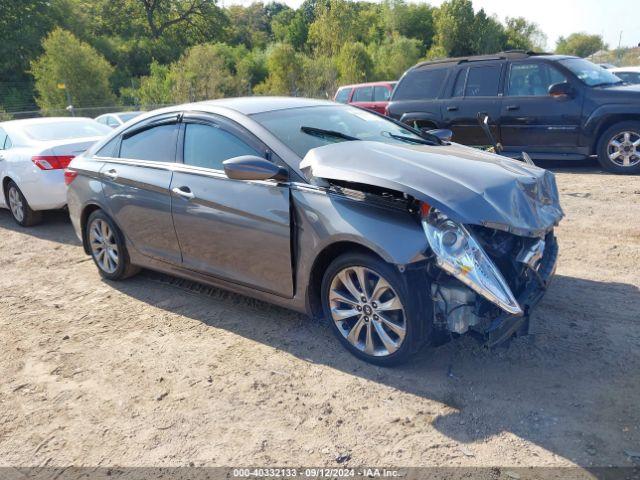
point(443, 134)
point(561, 90)
point(251, 167)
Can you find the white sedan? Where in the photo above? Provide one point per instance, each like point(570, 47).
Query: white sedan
point(33, 156)
point(115, 119)
point(628, 74)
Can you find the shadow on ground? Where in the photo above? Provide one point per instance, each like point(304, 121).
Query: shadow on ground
point(55, 227)
point(571, 388)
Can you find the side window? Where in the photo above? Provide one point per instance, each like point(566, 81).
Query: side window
point(363, 94)
point(343, 95)
point(156, 143)
point(532, 79)
point(101, 120)
point(421, 84)
point(112, 122)
point(208, 146)
point(3, 139)
point(8, 143)
point(381, 93)
point(109, 148)
point(482, 81)
point(461, 79)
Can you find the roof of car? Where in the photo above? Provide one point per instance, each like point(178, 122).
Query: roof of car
point(508, 55)
point(625, 69)
point(258, 104)
point(41, 120)
point(368, 84)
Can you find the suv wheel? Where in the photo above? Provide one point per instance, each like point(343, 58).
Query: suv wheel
point(368, 306)
point(619, 148)
point(19, 207)
point(108, 248)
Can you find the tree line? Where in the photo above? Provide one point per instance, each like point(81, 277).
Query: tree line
point(94, 53)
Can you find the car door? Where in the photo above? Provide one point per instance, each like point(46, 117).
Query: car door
point(381, 95)
point(136, 183)
point(530, 117)
point(363, 97)
point(476, 90)
point(239, 231)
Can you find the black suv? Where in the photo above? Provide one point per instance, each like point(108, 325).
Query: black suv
point(551, 106)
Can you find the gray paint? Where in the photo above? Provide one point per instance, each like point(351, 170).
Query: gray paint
point(262, 238)
point(470, 186)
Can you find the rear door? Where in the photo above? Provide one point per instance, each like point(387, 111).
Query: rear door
point(239, 231)
point(363, 97)
point(530, 117)
point(476, 90)
point(136, 186)
point(381, 95)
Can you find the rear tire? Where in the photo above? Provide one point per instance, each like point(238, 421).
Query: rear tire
point(620, 144)
point(20, 210)
point(108, 249)
point(384, 323)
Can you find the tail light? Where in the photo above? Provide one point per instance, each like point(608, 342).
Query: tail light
point(52, 162)
point(69, 176)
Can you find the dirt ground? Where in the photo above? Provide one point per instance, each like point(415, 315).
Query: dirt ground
point(158, 372)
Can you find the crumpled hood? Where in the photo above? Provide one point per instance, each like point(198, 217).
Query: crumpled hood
point(468, 185)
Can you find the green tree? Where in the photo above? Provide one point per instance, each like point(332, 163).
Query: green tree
point(289, 27)
point(251, 70)
point(489, 34)
point(354, 63)
point(285, 67)
point(76, 65)
point(155, 88)
point(319, 77)
point(394, 56)
point(336, 24)
point(580, 44)
point(205, 72)
point(524, 35)
point(409, 20)
point(455, 26)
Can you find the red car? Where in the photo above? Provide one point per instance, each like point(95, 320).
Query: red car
point(373, 96)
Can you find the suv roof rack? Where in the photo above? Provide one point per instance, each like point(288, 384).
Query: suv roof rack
point(483, 58)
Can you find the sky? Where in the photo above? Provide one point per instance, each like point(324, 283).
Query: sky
point(555, 17)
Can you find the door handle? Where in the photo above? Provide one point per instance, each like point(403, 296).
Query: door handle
point(112, 174)
point(452, 109)
point(184, 192)
point(513, 107)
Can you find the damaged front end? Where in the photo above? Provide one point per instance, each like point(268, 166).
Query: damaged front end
point(488, 223)
point(486, 280)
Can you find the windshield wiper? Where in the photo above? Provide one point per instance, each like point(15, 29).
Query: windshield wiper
point(320, 132)
point(421, 141)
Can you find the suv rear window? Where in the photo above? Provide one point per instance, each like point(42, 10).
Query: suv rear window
point(420, 84)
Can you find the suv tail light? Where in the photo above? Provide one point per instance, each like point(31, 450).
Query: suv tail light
point(69, 176)
point(52, 162)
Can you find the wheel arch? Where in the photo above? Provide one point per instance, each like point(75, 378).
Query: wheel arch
point(84, 217)
point(322, 261)
point(605, 122)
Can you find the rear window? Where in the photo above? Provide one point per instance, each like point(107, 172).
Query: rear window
point(343, 95)
point(64, 130)
point(420, 84)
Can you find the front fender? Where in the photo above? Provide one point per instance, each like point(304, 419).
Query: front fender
point(601, 114)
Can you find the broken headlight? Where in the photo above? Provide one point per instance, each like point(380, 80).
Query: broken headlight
point(458, 253)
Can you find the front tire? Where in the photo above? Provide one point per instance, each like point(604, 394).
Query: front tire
point(108, 248)
point(371, 311)
point(20, 210)
point(619, 148)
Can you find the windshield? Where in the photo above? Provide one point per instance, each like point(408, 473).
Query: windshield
point(590, 73)
point(62, 130)
point(302, 129)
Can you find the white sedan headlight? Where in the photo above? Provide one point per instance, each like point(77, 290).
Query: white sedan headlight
point(458, 253)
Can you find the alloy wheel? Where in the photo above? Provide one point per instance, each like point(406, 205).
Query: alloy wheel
point(624, 149)
point(367, 311)
point(15, 204)
point(103, 245)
